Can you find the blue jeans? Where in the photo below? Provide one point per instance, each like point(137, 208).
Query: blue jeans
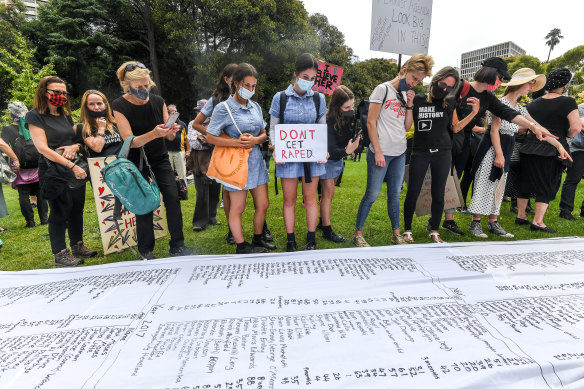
point(393, 174)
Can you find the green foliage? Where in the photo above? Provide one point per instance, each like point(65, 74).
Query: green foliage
point(362, 77)
point(331, 41)
point(525, 61)
point(572, 59)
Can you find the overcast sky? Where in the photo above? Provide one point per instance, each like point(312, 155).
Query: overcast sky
point(459, 26)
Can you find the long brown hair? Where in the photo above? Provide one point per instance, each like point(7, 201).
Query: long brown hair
point(41, 102)
point(88, 121)
point(447, 71)
point(340, 96)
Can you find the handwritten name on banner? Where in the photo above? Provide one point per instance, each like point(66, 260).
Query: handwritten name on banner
point(300, 143)
point(104, 206)
point(401, 26)
point(328, 78)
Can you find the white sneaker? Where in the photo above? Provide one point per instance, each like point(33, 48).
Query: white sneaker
point(476, 229)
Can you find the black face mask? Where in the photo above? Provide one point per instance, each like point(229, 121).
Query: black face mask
point(97, 114)
point(348, 114)
point(438, 93)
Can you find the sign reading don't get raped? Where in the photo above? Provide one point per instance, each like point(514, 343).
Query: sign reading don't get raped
point(300, 143)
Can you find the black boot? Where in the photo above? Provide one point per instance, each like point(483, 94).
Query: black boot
point(266, 233)
point(260, 241)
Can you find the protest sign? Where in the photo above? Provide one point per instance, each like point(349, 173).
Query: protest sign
point(328, 78)
point(400, 26)
point(452, 193)
point(104, 207)
point(300, 143)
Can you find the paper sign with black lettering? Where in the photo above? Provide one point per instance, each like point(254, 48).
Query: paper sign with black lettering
point(401, 26)
point(300, 143)
point(328, 78)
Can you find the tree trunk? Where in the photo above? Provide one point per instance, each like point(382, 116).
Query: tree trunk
point(151, 37)
point(550, 53)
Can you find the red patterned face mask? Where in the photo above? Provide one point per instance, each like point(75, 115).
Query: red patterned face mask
point(58, 100)
point(491, 88)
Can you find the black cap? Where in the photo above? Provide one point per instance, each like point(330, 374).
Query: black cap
point(499, 64)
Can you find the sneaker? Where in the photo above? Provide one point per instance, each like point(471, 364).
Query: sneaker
point(451, 226)
point(64, 258)
point(198, 228)
point(495, 228)
point(180, 251)
point(398, 239)
point(359, 241)
point(476, 229)
point(79, 250)
point(566, 215)
point(147, 256)
point(247, 248)
point(262, 242)
point(334, 237)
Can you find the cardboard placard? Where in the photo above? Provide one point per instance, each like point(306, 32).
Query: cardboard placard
point(452, 193)
point(328, 78)
point(104, 207)
point(300, 143)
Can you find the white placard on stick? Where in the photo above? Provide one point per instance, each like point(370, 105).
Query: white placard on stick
point(300, 143)
point(400, 26)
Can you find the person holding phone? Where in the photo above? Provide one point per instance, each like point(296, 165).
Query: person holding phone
point(390, 116)
point(342, 141)
point(55, 137)
point(435, 121)
point(143, 114)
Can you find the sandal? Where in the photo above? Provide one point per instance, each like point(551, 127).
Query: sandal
point(435, 237)
point(408, 237)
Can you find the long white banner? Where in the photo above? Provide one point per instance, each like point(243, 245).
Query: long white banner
point(478, 315)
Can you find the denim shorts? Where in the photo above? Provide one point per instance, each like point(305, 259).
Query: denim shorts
point(333, 169)
point(296, 169)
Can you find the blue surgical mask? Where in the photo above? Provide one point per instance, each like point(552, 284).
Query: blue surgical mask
point(403, 85)
point(141, 94)
point(304, 85)
point(245, 94)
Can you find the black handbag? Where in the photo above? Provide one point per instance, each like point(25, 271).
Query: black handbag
point(58, 170)
point(181, 187)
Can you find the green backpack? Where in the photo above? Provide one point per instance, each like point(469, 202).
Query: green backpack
point(136, 194)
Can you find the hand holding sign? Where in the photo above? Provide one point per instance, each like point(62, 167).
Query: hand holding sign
point(300, 143)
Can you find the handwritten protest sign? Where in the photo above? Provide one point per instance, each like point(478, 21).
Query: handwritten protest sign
point(300, 143)
point(400, 26)
point(452, 193)
point(104, 206)
point(328, 78)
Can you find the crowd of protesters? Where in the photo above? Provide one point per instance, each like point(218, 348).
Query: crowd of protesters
point(461, 130)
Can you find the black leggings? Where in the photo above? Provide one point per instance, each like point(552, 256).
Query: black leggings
point(440, 162)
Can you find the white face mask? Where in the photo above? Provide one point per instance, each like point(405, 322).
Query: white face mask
point(304, 84)
point(245, 93)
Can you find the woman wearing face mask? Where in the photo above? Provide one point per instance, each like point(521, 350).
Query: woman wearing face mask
point(140, 113)
point(246, 130)
point(301, 108)
point(493, 157)
point(541, 166)
point(340, 121)
point(486, 79)
point(390, 116)
point(207, 196)
point(55, 137)
point(435, 120)
point(98, 127)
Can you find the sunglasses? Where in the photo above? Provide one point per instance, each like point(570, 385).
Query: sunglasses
point(58, 92)
point(132, 66)
point(443, 86)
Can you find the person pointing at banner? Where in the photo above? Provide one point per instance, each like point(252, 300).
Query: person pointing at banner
point(390, 116)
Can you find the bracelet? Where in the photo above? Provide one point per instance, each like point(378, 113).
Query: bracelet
point(409, 108)
point(100, 134)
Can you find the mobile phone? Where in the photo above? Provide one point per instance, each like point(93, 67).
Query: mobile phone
point(356, 135)
point(171, 119)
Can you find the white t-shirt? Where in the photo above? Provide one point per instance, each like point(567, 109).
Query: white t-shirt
point(390, 123)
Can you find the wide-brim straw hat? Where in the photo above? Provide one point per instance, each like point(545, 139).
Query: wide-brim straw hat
point(525, 75)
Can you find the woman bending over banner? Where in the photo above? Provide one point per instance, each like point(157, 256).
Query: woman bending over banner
point(390, 116)
point(241, 119)
point(435, 120)
point(340, 121)
point(300, 108)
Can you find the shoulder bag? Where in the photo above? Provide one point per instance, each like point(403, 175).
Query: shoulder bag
point(229, 165)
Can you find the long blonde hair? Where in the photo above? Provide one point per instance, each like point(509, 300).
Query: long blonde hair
point(87, 121)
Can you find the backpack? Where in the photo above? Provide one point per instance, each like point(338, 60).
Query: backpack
point(136, 194)
point(362, 114)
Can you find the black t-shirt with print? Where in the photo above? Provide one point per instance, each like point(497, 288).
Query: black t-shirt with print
point(58, 129)
point(553, 115)
point(112, 142)
point(432, 123)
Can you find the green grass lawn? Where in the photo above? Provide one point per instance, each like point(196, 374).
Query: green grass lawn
point(29, 248)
